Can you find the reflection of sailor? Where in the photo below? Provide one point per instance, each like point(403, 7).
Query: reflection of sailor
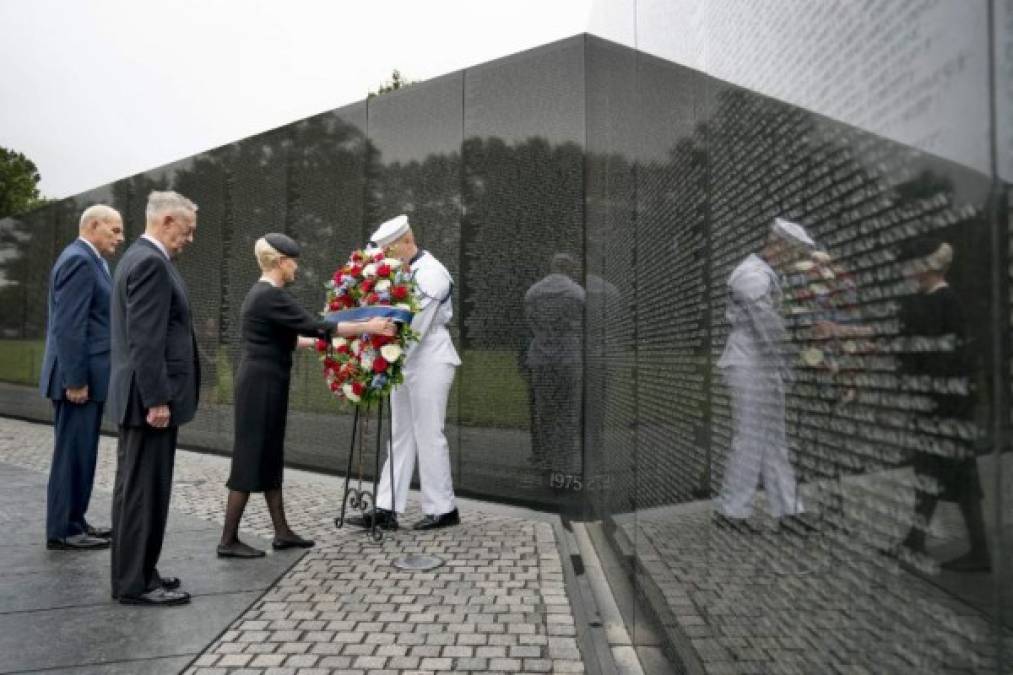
point(419, 405)
point(554, 309)
point(755, 367)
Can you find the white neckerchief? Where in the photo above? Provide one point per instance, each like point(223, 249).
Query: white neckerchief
point(937, 286)
point(269, 280)
point(158, 244)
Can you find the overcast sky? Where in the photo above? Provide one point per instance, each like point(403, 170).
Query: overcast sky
point(94, 90)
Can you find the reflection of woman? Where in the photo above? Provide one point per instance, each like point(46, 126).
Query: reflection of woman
point(933, 317)
point(273, 325)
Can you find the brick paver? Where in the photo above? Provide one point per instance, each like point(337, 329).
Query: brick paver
point(498, 604)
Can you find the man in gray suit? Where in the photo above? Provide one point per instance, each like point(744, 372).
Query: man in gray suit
point(152, 391)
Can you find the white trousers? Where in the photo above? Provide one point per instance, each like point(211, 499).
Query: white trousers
point(759, 446)
point(418, 413)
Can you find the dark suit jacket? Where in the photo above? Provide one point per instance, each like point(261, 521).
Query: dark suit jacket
point(77, 337)
point(154, 349)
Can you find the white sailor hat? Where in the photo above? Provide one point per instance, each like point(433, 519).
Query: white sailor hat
point(793, 233)
point(390, 231)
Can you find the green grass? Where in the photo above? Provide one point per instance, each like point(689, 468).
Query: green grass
point(489, 390)
point(21, 361)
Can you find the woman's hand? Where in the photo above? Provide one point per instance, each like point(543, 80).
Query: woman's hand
point(380, 327)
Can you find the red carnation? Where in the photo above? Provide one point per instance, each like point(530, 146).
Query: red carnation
point(372, 299)
point(356, 256)
point(337, 276)
point(335, 305)
point(380, 365)
point(343, 349)
point(334, 385)
point(347, 300)
point(383, 270)
point(399, 292)
point(358, 388)
point(321, 346)
point(366, 286)
point(378, 256)
point(379, 340)
point(355, 271)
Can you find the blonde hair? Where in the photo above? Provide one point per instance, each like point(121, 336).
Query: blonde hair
point(267, 256)
point(940, 259)
point(99, 212)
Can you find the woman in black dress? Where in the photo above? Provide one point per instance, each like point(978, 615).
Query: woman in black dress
point(934, 318)
point(273, 325)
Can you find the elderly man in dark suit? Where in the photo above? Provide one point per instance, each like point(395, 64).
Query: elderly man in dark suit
point(75, 375)
point(152, 391)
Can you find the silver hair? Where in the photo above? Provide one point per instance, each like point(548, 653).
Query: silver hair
point(167, 202)
point(98, 212)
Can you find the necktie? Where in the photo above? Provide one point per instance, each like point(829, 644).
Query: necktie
point(105, 266)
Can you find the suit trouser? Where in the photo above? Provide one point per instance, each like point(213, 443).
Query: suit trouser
point(141, 506)
point(759, 445)
point(418, 414)
point(72, 473)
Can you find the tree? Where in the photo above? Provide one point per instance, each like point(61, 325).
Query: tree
point(19, 183)
point(396, 81)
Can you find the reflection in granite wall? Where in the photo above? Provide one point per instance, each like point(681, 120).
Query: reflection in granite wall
point(592, 203)
point(886, 447)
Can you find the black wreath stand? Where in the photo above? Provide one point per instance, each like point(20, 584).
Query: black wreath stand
point(356, 497)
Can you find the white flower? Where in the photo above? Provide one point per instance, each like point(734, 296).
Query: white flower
point(812, 357)
point(383, 285)
point(356, 345)
point(391, 353)
point(339, 342)
point(346, 389)
point(403, 305)
point(366, 359)
point(369, 270)
point(392, 263)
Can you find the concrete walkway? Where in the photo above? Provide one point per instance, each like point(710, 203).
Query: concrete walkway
point(500, 604)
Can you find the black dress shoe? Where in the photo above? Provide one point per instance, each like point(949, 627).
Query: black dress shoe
point(291, 541)
point(77, 542)
point(384, 519)
point(436, 522)
point(170, 583)
point(238, 549)
point(969, 562)
point(100, 532)
point(158, 597)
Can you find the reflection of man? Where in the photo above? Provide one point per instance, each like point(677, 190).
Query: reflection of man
point(419, 405)
point(755, 368)
point(153, 390)
point(554, 309)
point(75, 375)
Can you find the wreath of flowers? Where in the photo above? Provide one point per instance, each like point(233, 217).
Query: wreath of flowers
point(364, 369)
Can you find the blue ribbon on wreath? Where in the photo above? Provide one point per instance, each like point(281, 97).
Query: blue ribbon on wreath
point(396, 314)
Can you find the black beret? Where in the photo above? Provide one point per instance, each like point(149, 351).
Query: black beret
point(918, 248)
point(283, 244)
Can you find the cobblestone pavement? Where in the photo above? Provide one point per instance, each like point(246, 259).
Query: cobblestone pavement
point(499, 604)
point(771, 602)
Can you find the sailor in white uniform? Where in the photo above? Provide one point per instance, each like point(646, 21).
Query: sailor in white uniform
point(755, 364)
point(419, 405)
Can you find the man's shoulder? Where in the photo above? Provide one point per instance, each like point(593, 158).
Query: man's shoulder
point(432, 277)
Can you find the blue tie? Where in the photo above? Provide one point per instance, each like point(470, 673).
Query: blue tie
point(105, 266)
